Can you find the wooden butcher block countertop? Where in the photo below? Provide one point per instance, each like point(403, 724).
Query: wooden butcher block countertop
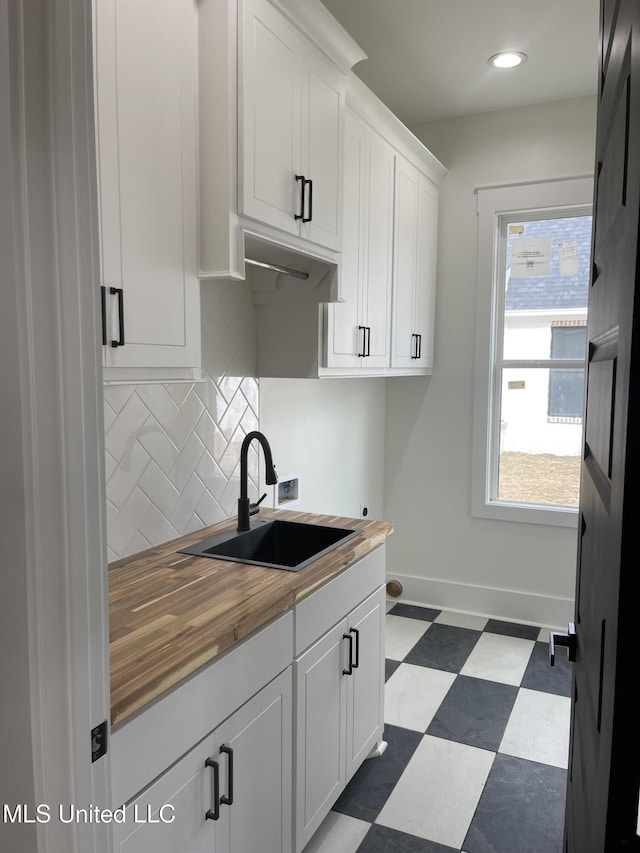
point(170, 613)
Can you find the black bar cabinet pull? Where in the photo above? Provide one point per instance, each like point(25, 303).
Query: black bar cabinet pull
point(309, 183)
point(118, 291)
point(302, 197)
point(214, 813)
point(228, 798)
point(363, 329)
point(368, 341)
point(350, 638)
point(419, 347)
point(103, 298)
point(356, 633)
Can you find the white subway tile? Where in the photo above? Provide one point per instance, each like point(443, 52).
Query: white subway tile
point(123, 430)
point(128, 521)
point(127, 474)
point(184, 422)
point(117, 395)
point(156, 528)
point(186, 505)
point(187, 461)
point(159, 488)
point(159, 402)
point(158, 444)
point(210, 510)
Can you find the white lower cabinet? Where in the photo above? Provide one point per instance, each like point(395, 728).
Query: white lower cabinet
point(339, 684)
point(250, 753)
point(230, 794)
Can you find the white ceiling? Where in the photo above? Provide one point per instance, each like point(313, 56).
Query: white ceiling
point(427, 59)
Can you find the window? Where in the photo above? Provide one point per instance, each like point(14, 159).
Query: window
point(566, 387)
point(533, 283)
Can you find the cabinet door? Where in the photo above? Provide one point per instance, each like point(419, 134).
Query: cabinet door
point(365, 690)
point(170, 815)
point(320, 688)
point(426, 271)
point(378, 241)
point(259, 768)
point(344, 339)
point(322, 150)
point(406, 264)
point(146, 90)
point(269, 129)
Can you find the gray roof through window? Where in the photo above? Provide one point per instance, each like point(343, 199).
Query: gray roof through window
point(553, 290)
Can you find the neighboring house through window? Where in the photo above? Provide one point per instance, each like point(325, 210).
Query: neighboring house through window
point(533, 282)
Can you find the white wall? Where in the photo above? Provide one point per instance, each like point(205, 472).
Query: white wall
point(331, 433)
point(443, 555)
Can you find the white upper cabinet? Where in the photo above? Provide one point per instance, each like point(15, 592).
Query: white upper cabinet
point(290, 129)
point(416, 222)
point(358, 329)
point(383, 325)
point(146, 97)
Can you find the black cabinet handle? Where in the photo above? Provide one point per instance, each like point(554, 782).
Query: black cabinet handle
point(368, 341)
point(302, 197)
point(356, 633)
point(118, 291)
point(309, 183)
point(364, 341)
point(228, 798)
point(416, 346)
point(349, 637)
point(214, 813)
point(103, 299)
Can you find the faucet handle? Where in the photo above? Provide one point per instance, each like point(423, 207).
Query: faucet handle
point(255, 508)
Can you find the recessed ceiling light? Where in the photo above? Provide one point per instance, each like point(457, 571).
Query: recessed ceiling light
point(508, 59)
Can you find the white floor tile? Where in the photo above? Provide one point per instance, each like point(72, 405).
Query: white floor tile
point(401, 635)
point(413, 694)
point(338, 833)
point(499, 658)
point(436, 796)
point(462, 620)
point(538, 728)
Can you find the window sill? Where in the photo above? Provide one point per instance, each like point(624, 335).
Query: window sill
point(526, 513)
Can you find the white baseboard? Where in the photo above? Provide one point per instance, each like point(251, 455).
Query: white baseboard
point(490, 602)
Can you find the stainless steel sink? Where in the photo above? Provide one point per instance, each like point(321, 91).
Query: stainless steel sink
point(278, 544)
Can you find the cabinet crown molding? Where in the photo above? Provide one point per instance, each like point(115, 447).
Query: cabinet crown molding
point(318, 23)
point(376, 113)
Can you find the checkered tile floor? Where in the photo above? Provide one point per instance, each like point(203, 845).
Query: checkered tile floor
point(478, 726)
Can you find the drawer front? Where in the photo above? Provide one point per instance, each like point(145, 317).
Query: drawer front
point(328, 605)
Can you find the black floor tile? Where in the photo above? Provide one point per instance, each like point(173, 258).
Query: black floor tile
point(521, 809)
point(512, 629)
point(412, 611)
point(474, 712)
point(390, 667)
point(368, 791)
point(381, 839)
point(550, 679)
point(443, 647)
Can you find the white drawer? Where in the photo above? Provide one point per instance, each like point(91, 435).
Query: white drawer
point(323, 608)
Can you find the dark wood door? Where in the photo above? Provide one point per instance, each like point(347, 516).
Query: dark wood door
point(604, 765)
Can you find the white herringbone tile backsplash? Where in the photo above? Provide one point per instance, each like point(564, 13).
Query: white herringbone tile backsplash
point(173, 451)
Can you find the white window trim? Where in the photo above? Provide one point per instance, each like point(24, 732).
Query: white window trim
point(495, 202)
